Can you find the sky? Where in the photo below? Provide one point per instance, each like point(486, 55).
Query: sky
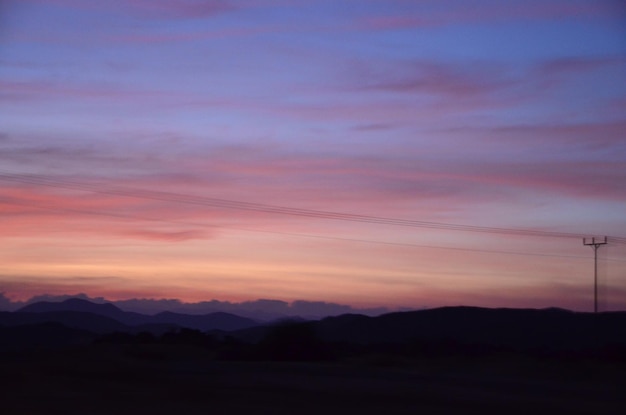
point(373, 153)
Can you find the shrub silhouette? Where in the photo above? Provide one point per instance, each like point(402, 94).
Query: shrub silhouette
point(190, 337)
point(293, 342)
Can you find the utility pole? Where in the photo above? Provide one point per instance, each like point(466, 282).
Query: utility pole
point(595, 245)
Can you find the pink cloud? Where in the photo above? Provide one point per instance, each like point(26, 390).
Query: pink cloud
point(267, 175)
point(599, 180)
point(401, 182)
point(394, 22)
point(163, 9)
point(420, 92)
point(172, 36)
point(45, 90)
point(591, 135)
point(167, 236)
point(453, 12)
point(574, 71)
point(446, 80)
point(184, 8)
point(414, 92)
point(188, 217)
point(578, 64)
point(35, 209)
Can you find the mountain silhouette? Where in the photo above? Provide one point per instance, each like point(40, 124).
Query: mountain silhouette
point(212, 321)
point(80, 305)
point(71, 304)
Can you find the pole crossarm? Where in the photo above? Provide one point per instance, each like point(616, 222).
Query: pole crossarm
point(595, 244)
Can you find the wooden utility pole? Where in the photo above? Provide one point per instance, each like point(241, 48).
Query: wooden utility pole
point(595, 245)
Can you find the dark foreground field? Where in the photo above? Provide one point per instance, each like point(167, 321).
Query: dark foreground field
point(178, 379)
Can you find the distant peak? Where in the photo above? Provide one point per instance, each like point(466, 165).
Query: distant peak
point(70, 304)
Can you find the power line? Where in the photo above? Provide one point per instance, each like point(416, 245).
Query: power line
point(277, 209)
point(303, 235)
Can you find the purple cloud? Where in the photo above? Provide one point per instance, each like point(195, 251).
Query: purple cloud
point(453, 12)
point(162, 9)
point(437, 79)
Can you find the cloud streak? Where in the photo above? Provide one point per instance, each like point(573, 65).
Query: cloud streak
point(158, 9)
point(454, 12)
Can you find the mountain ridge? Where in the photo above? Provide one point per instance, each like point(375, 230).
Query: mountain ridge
point(211, 321)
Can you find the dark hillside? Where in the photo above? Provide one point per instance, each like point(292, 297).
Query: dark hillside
point(42, 336)
point(212, 321)
point(549, 330)
point(72, 319)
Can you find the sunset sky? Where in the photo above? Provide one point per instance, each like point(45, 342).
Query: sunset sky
point(237, 150)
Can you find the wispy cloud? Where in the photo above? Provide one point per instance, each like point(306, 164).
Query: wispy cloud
point(590, 136)
point(453, 12)
point(571, 178)
point(450, 81)
point(578, 64)
point(166, 236)
point(161, 9)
